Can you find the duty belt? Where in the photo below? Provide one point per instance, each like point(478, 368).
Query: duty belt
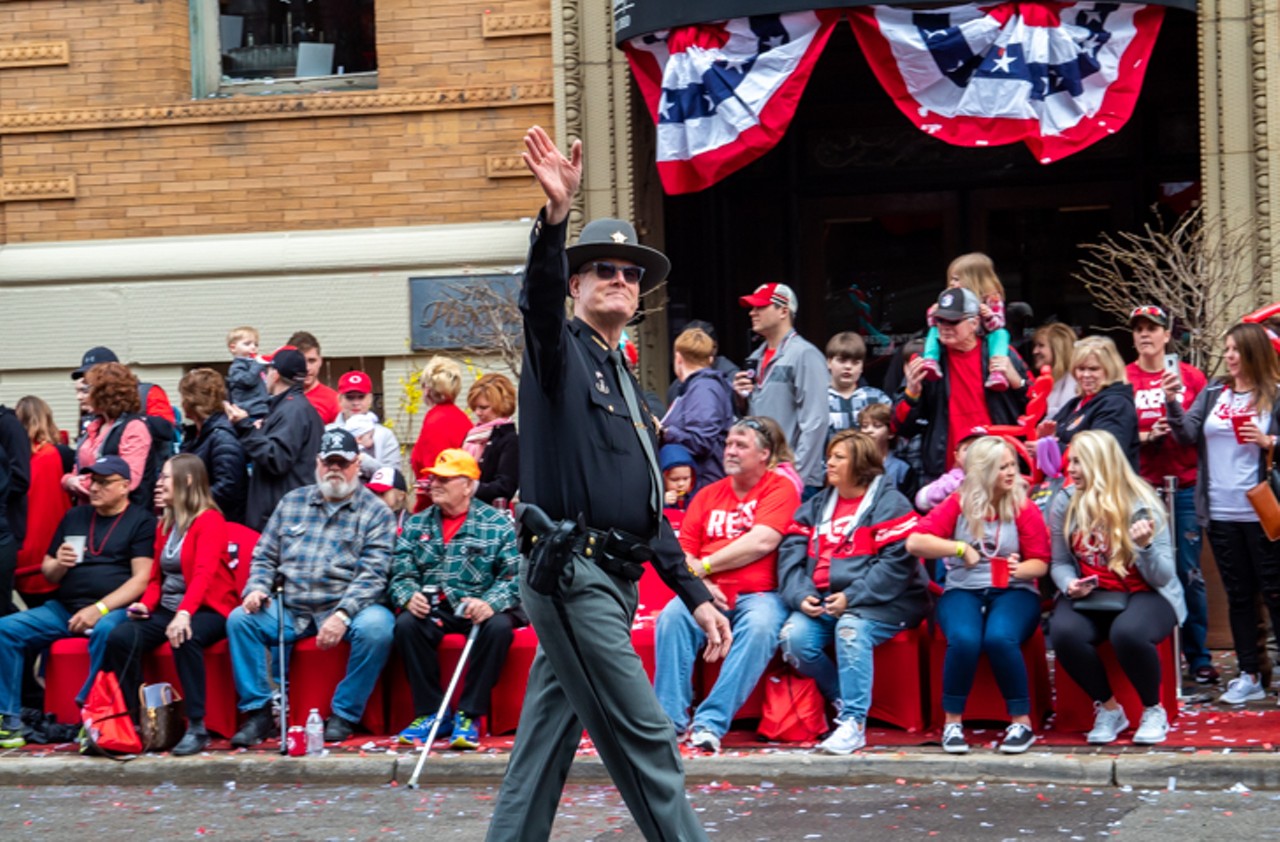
point(613, 550)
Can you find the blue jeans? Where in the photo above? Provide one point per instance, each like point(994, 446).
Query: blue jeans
point(756, 619)
point(1188, 542)
point(991, 621)
point(848, 681)
point(253, 639)
point(33, 630)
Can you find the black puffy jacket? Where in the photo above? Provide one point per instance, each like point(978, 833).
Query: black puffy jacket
point(283, 452)
point(223, 456)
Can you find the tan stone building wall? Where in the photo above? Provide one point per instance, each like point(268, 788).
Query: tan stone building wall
point(137, 215)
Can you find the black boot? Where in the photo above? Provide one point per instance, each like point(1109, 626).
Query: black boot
point(256, 728)
point(194, 741)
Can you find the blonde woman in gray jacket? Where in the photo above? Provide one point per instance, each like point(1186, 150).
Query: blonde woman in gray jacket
point(1113, 562)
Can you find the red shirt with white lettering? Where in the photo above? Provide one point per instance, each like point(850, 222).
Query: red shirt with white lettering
point(717, 517)
point(1094, 555)
point(1164, 457)
point(833, 535)
point(967, 396)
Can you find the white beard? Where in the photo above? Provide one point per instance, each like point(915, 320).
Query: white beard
point(335, 487)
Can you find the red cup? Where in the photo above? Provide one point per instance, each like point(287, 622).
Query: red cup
point(999, 572)
point(1238, 421)
point(296, 740)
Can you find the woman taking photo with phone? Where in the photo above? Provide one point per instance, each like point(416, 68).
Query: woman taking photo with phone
point(191, 592)
point(995, 544)
point(1113, 563)
point(1233, 426)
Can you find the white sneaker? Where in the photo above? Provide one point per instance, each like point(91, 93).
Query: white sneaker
point(953, 739)
point(848, 737)
point(1153, 727)
point(1247, 687)
point(703, 739)
point(1107, 725)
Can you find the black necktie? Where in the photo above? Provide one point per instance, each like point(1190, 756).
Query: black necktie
point(637, 419)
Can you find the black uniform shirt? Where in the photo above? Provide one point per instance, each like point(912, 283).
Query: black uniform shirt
point(579, 451)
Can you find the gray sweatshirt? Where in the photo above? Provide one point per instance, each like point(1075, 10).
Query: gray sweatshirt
point(793, 392)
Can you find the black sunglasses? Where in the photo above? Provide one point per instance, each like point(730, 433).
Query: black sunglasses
point(756, 425)
point(606, 271)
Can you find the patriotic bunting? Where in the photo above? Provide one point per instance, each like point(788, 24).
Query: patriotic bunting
point(1056, 76)
point(722, 94)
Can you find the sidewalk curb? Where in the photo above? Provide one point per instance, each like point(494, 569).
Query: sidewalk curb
point(1142, 771)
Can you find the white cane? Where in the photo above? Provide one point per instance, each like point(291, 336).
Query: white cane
point(1171, 492)
point(444, 705)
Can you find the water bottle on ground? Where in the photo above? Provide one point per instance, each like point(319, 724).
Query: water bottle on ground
point(315, 732)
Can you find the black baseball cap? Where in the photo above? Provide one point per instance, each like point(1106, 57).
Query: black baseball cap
point(93, 356)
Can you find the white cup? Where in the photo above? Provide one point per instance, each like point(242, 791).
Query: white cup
point(77, 543)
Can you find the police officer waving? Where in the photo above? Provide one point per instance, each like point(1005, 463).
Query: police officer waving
point(591, 467)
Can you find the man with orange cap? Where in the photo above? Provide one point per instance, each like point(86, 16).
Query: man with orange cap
point(456, 565)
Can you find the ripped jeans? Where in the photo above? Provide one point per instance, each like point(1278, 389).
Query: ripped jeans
point(847, 681)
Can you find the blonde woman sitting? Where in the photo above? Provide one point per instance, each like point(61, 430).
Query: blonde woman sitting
point(1113, 562)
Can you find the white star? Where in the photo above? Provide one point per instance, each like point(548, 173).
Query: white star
point(1002, 63)
point(664, 107)
point(930, 34)
point(773, 41)
point(618, 237)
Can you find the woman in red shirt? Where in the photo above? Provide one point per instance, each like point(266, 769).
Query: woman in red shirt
point(46, 501)
point(1113, 562)
point(995, 544)
point(192, 590)
point(443, 427)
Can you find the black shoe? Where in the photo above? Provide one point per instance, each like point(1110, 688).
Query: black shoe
point(255, 729)
point(1017, 739)
point(337, 729)
point(1206, 675)
point(192, 742)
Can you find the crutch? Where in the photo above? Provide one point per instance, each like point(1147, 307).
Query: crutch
point(444, 705)
point(284, 670)
point(1171, 493)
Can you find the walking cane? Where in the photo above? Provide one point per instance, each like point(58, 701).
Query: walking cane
point(1171, 492)
point(284, 670)
point(444, 705)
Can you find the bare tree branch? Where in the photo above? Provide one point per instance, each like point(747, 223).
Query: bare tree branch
point(1201, 272)
point(484, 317)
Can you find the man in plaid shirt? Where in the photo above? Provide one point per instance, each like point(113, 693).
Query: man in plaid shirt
point(331, 543)
point(467, 550)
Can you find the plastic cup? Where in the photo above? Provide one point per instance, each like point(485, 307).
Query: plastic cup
point(77, 543)
point(1238, 421)
point(999, 572)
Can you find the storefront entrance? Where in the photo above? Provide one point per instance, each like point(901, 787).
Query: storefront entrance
point(862, 212)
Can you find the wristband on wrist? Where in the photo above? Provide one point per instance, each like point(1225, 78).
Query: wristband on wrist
point(342, 615)
point(960, 548)
point(706, 566)
point(102, 607)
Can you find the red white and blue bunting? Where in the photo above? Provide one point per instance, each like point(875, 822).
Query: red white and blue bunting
point(1056, 76)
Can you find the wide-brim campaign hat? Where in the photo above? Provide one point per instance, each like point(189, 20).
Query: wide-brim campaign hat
point(605, 238)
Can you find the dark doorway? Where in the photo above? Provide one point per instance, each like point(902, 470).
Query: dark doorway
point(861, 212)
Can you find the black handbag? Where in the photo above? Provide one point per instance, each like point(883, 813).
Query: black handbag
point(1101, 602)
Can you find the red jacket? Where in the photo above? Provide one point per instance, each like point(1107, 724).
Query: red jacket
point(46, 504)
point(444, 426)
point(210, 582)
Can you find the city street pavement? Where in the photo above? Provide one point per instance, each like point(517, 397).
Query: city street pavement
point(591, 812)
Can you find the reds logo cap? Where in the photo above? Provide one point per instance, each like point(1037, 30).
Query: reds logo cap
point(355, 381)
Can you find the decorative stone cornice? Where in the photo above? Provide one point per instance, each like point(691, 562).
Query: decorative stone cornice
point(249, 109)
point(505, 166)
point(37, 188)
point(512, 25)
point(34, 54)
point(569, 78)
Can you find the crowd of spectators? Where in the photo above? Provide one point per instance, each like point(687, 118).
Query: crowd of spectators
point(824, 515)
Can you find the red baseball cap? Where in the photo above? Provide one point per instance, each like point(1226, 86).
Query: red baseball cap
point(974, 433)
point(767, 294)
point(354, 381)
